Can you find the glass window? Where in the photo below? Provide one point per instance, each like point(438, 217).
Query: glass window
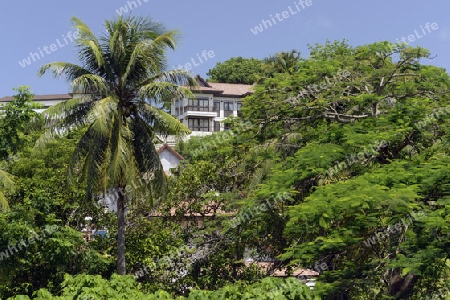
point(238, 108)
point(227, 108)
point(217, 107)
point(199, 104)
point(198, 124)
point(216, 126)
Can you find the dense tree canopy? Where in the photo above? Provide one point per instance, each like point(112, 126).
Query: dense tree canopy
point(358, 137)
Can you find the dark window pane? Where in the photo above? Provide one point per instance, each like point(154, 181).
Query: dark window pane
point(217, 107)
point(198, 124)
point(227, 109)
point(216, 126)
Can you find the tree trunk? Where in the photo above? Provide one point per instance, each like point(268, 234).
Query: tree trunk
point(401, 287)
point(121, 269)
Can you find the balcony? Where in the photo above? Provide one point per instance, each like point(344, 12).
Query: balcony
point(199, 111)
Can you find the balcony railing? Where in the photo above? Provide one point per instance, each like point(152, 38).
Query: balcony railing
point(198, 108)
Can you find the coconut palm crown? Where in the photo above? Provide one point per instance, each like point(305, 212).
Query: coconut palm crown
point(121, 76)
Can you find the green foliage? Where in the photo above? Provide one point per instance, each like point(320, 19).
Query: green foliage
point(47, 215)
point(283, 62)
point(124, 287)
point(236, 70)
point(251, 70)
point(357, 136)
point(347, 150)
point(18, 121)
point(6, 183)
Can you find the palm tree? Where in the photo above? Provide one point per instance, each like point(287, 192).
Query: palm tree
point(283, 62)
point(121, 75)
point(6, 182)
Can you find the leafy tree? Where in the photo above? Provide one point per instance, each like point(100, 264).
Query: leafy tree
point(19, 118)
point(121, 73)
point(236, 70)
point(352, 155)
point(48, 215)
point(358, 139)
point(7, 183)
point(18, 122)
point(121, 287)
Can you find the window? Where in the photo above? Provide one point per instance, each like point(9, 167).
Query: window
point(198, 124)
point(216, 126)
point(217, 107)
point(238, 108)
point(227, 108)
point(200, 104)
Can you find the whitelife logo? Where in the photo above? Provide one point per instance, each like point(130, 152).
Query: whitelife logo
point(35, 56)
point(197, 62)
point(416, 35)
point(266, 24)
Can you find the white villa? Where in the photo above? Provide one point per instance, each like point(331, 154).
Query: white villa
point(213, 102)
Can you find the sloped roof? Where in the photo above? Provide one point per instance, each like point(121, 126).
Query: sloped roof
point(171, 150)
point(209, 210)
point(223, 89)
point(283, 272)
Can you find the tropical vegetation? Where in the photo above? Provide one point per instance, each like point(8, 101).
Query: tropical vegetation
point(338, 163)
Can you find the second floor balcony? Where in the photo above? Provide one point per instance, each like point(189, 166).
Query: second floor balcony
point(194, 110)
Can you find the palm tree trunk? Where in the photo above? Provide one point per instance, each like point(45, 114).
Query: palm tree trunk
point(121, 269)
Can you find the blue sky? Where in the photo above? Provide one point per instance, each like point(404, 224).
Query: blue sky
point(223, 27)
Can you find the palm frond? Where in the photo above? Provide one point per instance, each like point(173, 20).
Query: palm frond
point(150, 51)
point(122, 165)
point(63, 69)
point(64, 109)
point(165, 92)
point(89, 162)
point(88, 43)
point(147, 159)
point(161, 121)
point(89, 83)
point(63, 117)
point(179, 77)
point(102, 115)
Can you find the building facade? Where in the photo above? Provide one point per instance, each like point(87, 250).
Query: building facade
point(213, 103)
